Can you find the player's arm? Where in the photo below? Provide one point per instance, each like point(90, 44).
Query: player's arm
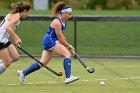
point(57, 26)
point(64, 38)
point(10, 30)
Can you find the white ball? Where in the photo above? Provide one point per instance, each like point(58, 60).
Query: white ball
point(102, 83)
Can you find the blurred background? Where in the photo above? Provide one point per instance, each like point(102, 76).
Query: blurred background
point(98, 27)
point(83, 4)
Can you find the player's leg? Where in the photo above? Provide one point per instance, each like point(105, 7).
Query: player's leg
point(8, 54)
point(62, 50)
point(46, 56)
point(13, 52)
point(5, 59)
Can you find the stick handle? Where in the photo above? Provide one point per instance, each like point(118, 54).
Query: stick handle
point(78, 57)
point(58, 74)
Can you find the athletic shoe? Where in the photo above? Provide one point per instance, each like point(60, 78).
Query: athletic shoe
point(21, 76)
point(71, 79)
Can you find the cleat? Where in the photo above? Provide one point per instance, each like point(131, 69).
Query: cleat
point(21, 76)
point(71, 79)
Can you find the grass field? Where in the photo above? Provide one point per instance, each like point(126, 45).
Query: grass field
point(104, 39)
point(120, 76)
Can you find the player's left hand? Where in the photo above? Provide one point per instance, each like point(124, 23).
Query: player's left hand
point(71, 49)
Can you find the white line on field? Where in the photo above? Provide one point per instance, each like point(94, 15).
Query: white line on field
point(101, 79)
point(53, 82)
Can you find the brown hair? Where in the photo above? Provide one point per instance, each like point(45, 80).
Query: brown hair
point(58, 7)
point(20, 7)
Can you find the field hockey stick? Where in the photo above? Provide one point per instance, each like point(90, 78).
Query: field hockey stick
point(90, 70)
point(58, 74)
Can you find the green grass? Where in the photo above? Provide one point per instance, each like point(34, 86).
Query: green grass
point(111, 70)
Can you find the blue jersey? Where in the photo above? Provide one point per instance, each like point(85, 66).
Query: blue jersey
point(50, 38)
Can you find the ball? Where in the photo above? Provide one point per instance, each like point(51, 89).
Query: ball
point(102, 83)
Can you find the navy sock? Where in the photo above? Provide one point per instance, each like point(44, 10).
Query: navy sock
point(33, 67)
point(67, 67)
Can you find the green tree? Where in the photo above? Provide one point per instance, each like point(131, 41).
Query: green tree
point(6, 3)
point(99, 4)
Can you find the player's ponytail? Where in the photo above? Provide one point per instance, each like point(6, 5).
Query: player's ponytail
point(58, 7)
point(20, 7)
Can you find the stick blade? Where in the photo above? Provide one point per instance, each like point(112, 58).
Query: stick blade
point(91, 70)
point(60, 73)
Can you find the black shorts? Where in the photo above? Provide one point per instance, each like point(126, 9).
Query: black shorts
point(2, 45)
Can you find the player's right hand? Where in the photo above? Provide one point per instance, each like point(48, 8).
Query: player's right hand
point(18, 42)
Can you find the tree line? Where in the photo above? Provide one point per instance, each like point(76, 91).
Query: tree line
point(86, 4)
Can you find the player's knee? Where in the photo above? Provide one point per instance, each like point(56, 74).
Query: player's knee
point(15, 58)
point(68, 55)
point(7, 62)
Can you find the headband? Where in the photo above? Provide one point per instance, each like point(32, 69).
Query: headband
point(66, 10)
